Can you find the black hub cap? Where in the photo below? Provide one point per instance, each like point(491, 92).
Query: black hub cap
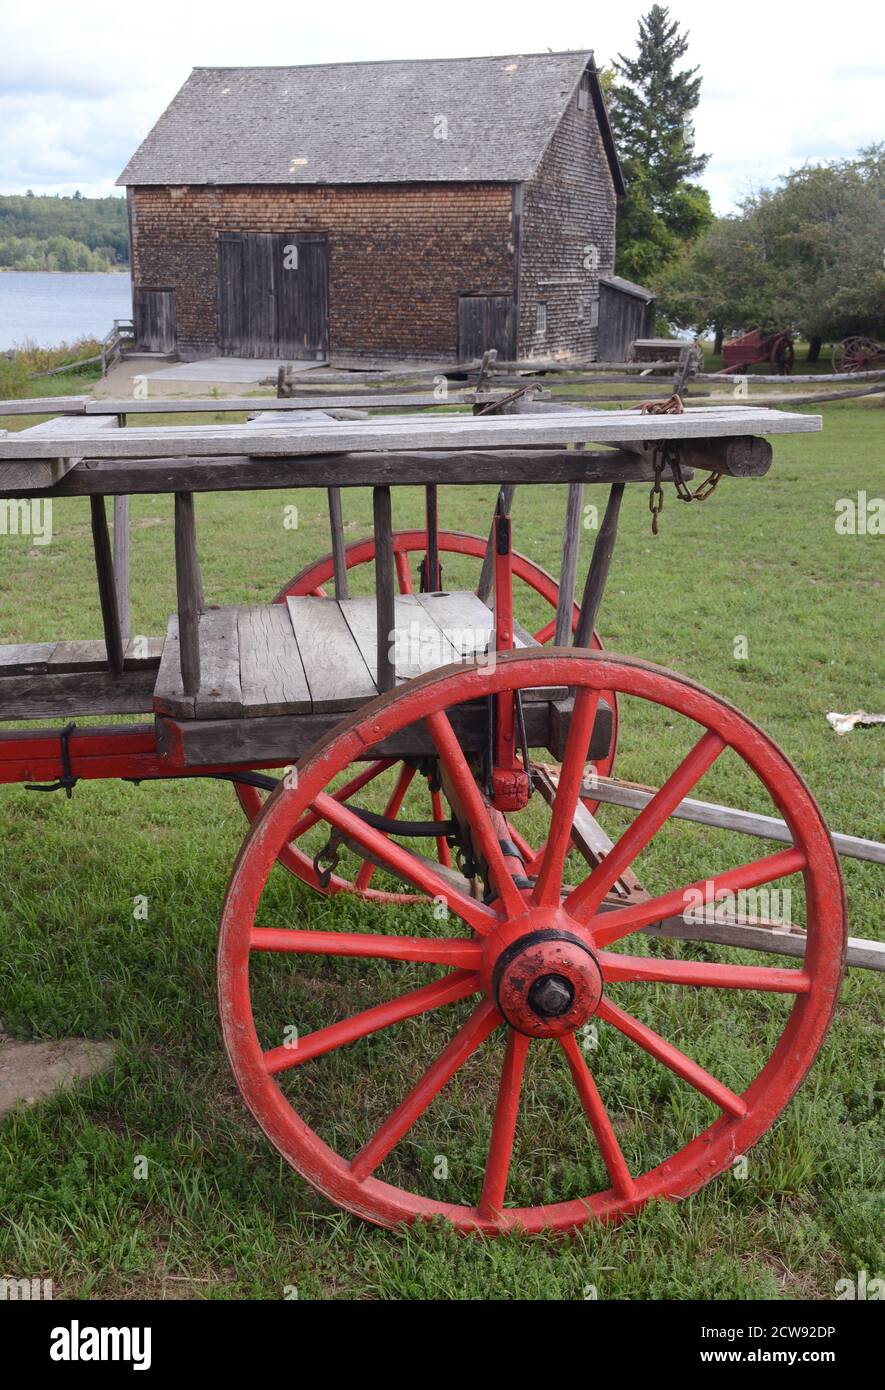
point(550, 996)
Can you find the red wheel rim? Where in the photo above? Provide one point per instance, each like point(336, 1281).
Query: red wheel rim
point(474, 960)
point(310, 581)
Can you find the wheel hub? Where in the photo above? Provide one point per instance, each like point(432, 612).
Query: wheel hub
point(544, 979)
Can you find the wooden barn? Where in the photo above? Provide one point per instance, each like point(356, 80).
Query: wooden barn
point(388, 210)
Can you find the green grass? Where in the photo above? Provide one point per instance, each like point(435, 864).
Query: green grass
point(219, 1215)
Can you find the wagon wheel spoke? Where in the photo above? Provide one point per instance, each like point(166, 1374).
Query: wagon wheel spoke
point(598, 1117)
point(549, 882)
point(437, 810)
point(428, 950)
point(585, 899)
point(618, 968)
point(349, 789)
point(405, 865)
point(546, 632)
point(474, 809)
point(497, 1172)
point(481, 1023)
point(611, 926)
point(391, 811)
point(670, 1056)
point(403, 573)
point(418, 1001)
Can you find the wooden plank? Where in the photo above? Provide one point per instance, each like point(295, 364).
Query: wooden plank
point(465, 621)
point(336, 526)
point(571, 539)
point(40, 475)
point(189, 591)
point(219, 693)
point(241, 473)
point(415, 432)
point(121, 564)
point(169, 695)
point(631, 794)
point(75, 694)
point(384, 587)
point(21, 657)
point(317, 400)
point(600, 564)
point(49, 658)
point(337, 675)
point(47, 405)
point(262, 741)
point(107, 592)
point(272, 676)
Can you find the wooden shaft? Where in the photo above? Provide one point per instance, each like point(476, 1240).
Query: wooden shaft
point(121, 564)
point(571, 540)
point(336, 525)
point(486, 578)
point(431, 565)
point(189, 588)
point(384, 586)
point(107, 592)
point(600, 563)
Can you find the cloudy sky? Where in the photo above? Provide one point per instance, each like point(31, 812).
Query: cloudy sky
point(80, 85)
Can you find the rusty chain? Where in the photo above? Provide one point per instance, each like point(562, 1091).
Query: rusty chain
point(666, 455)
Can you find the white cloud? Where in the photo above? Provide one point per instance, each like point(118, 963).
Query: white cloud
point(81, 86)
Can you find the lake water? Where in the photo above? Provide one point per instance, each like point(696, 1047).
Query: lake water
point(48, 308)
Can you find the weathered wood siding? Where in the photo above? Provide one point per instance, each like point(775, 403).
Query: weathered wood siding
point(622, 317)
point(153, 316)
point(485, 321)
point(273, 296)
point(567, 238)
point(399, 256)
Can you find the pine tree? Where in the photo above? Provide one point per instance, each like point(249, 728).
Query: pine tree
point(652, 106)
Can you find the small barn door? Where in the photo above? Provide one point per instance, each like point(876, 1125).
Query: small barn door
point(273, 295)
point(485, 321)
point(153, 316)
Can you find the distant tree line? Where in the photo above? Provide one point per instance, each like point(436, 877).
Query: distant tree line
point(807, 254)
point(39, 232)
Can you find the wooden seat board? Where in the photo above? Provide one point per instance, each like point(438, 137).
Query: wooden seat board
point(336, 672)
point(272, 675)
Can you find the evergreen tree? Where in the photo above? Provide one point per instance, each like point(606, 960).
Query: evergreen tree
point(651, 111)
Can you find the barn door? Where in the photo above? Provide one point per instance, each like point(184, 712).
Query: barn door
point(485, 321)
point(273, 295)
point(153, 315)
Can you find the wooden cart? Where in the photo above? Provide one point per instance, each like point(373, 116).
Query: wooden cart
point(416, 686)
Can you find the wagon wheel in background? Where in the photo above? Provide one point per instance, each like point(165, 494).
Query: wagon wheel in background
point(783, 356)
point(539, 963)
point(856, 354)
point(311, 581)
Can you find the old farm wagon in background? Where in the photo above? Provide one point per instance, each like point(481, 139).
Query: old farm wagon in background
point(433, 210)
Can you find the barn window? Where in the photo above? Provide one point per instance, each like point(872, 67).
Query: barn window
point(594, 311)
point(541, 320)
point(584, 92)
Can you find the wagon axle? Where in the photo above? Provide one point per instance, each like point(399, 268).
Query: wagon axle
point(546, 982)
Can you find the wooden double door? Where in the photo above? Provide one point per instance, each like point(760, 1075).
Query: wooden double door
point(273, 295)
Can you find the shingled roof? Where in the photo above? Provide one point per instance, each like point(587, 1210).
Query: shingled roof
point(346, 123)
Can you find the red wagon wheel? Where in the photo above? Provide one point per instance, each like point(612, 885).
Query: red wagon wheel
point(856, 354)
point(536, 961)
point(311, 581)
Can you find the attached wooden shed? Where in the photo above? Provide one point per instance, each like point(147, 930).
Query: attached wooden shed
point(397, 209)
point(626, 312)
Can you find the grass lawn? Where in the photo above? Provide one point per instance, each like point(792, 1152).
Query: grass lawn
point(218, 1214)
